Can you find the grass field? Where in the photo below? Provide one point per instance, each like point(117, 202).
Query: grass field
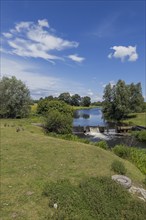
point(137, 119)
point(30, 159)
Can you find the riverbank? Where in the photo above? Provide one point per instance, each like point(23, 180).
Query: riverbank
point(85, 108)
point(137, 119)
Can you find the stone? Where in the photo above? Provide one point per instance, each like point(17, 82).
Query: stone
point(138, 191)
point(123, 180)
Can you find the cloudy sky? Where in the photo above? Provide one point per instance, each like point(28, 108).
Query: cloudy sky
point(73, 46)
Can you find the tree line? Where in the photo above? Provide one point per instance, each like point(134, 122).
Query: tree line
point(118, 100)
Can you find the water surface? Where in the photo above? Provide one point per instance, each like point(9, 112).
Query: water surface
point(88, 117)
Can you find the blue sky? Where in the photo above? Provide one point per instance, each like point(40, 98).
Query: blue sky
point(73, 46)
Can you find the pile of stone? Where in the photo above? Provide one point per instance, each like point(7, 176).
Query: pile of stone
point(127, 183)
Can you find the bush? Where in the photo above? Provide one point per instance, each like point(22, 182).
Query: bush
point(94, 198)
point(118, 167)
point(122, 151)
point(138, 157)
point(58, 122)
point(140, 135)
point(102, 144)
point(44, 106)
point(134, 155)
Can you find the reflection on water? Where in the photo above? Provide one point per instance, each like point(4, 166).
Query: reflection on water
point(88, 117)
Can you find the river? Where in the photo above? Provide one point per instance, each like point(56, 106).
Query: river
point(93, 117)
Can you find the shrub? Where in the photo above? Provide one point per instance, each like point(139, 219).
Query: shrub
point(102, 144)
point(58, 122)
point(135, 155)
point(138, 157)
point(94, 198)
point(118, 167)
point(121, 151)
point(44, 106)
point(140, 135)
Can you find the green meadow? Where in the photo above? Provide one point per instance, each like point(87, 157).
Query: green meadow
point(30, 160)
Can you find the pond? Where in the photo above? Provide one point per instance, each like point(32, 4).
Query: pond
point(94, 117)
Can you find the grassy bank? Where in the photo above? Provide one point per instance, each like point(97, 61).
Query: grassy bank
point(29, 160)
point(137, 119)
point(83, 107)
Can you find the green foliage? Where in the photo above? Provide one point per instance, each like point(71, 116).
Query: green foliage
point(58, 122)
point(65, 97)
point(15, 99)
point(122, 151)
point(121, 99)
point(94, 198)
point(86, 101)
point(102, 144)
point(118, 167)
point(42, 106)
point(140, 135)
point(136, 99)
point(46, 105)
point(75, 100)
point(137, 156)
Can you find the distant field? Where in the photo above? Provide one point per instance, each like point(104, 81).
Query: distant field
point(29, 159)
point(138, 119)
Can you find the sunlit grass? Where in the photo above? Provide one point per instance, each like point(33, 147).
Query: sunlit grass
point(29, 159)
point(137, 119)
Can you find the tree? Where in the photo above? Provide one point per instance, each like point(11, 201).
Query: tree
point(15, 99)
point(86, 101)
point(107, 102)
point(120, 103)
point(116, 101)
point(75, 100)
point(136, 98)
point(65, 97)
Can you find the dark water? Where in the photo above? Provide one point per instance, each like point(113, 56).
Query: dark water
point(94, 117)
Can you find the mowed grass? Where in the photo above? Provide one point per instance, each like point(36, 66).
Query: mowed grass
point(137, 119)
point(30, 159)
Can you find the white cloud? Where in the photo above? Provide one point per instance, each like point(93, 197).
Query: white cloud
point(123, 52)
point(112, 82)
point(7, 35)
point(76, 58)
point(43, 23)
point(39, 83)
point(21, 26)
point(29, 39)
point(90, 93)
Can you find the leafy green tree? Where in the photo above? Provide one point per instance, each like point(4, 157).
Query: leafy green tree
point(86, 101)
point(65, 97)
point(120, 103)
point(116, 101)
point(75, 100)
point(136, 98)
point(15, 98)
point(108, 103)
